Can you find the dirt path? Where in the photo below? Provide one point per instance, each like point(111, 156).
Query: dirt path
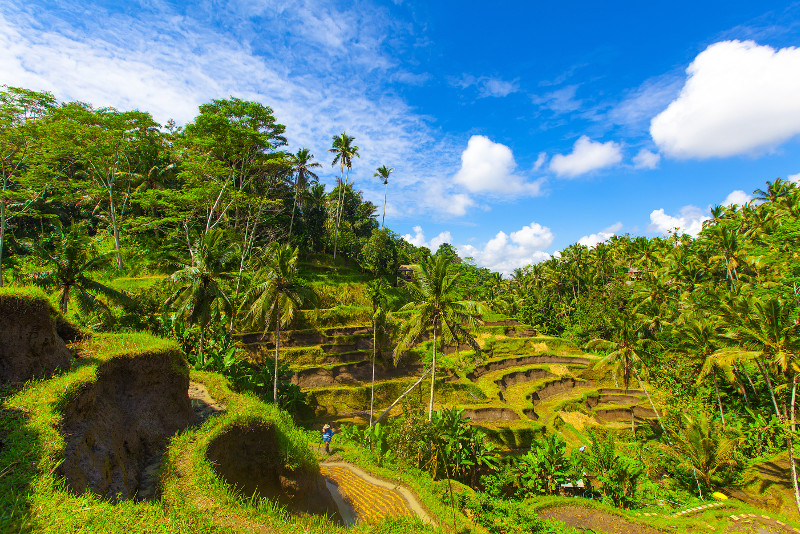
point(372, 498)
point(585, 518)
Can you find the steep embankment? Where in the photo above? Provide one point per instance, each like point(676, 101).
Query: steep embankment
point(30, 345)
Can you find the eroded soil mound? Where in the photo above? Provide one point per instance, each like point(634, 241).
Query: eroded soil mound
point(249, 458)
point(30, 347)
point(117, 424)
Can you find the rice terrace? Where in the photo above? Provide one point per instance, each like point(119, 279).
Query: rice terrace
point(220, 311)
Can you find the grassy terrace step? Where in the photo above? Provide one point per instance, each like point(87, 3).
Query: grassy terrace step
point(506, 363)
point(310, 336)
point(624, 414)
point(556, 387)
point(613, 399)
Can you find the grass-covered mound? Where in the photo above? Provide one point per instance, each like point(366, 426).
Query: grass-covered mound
point(30, 345)
point(34, 496)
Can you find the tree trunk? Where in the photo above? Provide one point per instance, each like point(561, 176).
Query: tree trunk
point(406, 392)
point(765, 373)
point(719, 401)
point(383, 220)
point(64, 301)
point(294, 206)
point(338, 211)
point(653, 406)
point(744, 388)
point(433, 374)
point(202, 338)
point(277, 349)
point(2, 235)
point(374, 350)
point(114, 226)
point(791, 443)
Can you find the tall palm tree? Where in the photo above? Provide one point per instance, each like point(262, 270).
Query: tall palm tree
point(376, 289)
point(767, 332)
point(300, 166)
point(200, 296)
point(433, 298)
point(275, 295)
point(701, 336)
point(344, 151)
point(383, 173)
point(68, 267)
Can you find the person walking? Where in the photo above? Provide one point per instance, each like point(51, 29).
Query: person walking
point(327, 434)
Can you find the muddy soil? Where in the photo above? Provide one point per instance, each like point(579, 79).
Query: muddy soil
point(116, 426)
point(30, 346)
point(624, 400)
point(249, 458)
point(353, 374)
point(519, 377)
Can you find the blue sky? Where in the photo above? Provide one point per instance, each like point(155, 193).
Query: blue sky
point(515, 128)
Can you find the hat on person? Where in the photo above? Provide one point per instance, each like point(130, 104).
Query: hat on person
point(326, 427)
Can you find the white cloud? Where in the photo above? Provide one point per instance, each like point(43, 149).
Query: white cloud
point(540, 161)
point(586, 156)
point(418, 239)
point(794, 178)
point(646, 159)
point(739, 97)
point(689, 221)
point(487, 86)
point(559, 101)
point(489, 167)
point(603, 235)
point(323, 69)
point(506, 252)
point(737, 197)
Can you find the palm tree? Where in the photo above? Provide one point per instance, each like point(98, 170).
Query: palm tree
point(375, 289)
point(383, 173)
point(703, 448)
point(68, 267)
point(344, 151)
point(767, 332)
point(300, 166)
point(433, 297)
point(200, 296)
point(275, 295)
point(701, 336)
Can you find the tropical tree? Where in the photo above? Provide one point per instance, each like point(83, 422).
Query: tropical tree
point(434, 301)
point(276, 295)
point(22, 133)
point(344, 151)
point(383, 173)
point(69, 263)
point(376, 289)
point(200, 296)
point(702, 447)
point(300, 166)
point(702, 337)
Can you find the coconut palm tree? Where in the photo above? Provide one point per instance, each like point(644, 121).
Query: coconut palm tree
point(702, 448)
point(200, 296)
point(275, 296)
point(383, 173)
point(433, 298)
point(300, 166)
point(701, 337)
point(376, 289)
point(344, 151)
point(68, 267)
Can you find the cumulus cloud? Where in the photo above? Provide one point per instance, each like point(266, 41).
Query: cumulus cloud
point(488, 167)
point(603, 235)
point(646, 159)
point(688, 221)
point(739, 97)
point(794, 178)
point(418, 239)
point(506, 252)
point(586, 156)
point(737, 197)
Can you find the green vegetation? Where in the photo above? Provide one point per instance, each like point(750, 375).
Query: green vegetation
point(646, 373)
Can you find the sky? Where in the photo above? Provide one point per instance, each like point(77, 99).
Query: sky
point(515, 128)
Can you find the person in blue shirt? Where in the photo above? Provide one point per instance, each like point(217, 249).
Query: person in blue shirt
point(327, 434)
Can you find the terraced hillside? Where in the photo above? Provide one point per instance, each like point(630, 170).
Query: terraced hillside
point(519, 383)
